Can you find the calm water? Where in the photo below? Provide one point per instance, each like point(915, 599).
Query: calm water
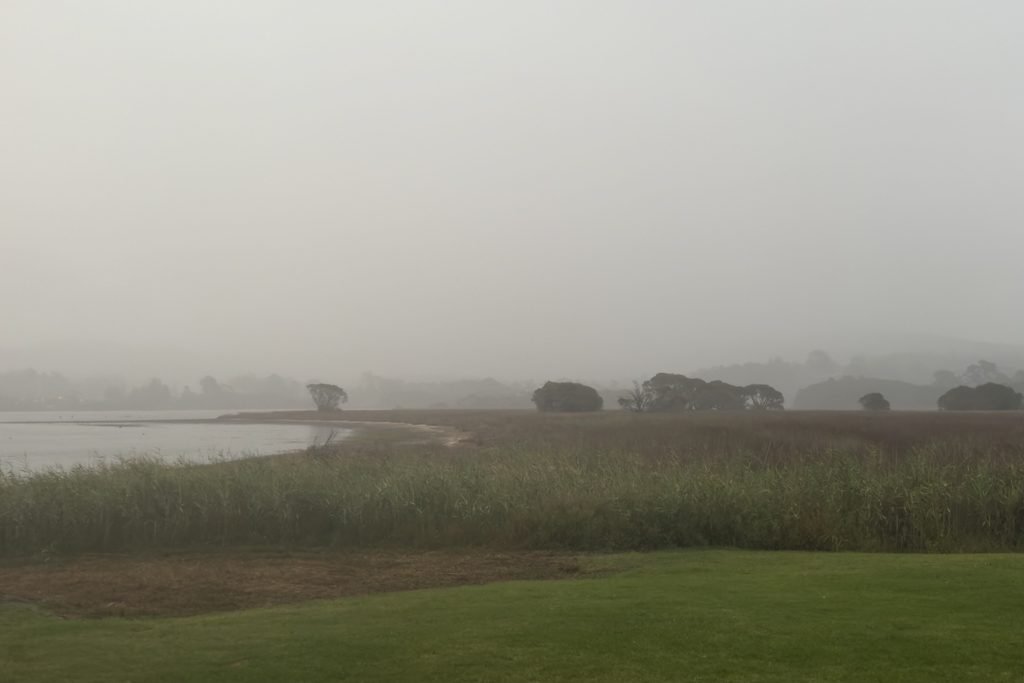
point(34, 441)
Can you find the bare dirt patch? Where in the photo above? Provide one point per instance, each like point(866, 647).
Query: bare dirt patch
point(95, 586)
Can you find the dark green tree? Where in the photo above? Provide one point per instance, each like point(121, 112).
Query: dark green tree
point(719, 395)
point(672, 393)
point(327, 396)
point(989, 396)
point(567, 397)
point(675, 393)
point(874, 401)
point(764, 397)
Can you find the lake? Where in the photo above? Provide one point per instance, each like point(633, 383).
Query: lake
point(30, 442)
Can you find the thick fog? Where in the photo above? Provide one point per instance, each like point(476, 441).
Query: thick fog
point(520, 190)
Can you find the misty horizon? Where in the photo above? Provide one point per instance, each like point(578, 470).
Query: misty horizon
point(581, 190)
point(912, 380)
point(182, 368)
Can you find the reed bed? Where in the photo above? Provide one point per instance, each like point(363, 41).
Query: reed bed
point(588, 483)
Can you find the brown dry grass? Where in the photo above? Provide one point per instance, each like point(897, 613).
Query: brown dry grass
point(778, 432)
point(185, 584)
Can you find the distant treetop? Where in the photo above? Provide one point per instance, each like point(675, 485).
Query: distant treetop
point(874, 401)
point(567, 397)
point(327, 396)
point(989, 396)
point(670, 393)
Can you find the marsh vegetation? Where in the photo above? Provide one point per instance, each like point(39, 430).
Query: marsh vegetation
point(612, 481)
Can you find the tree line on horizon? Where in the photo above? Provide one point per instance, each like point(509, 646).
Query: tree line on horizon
point(982, 386)
point(31, 390)
point(663, 393)
point(673, 393)
point(988, 396)
point(739, 387)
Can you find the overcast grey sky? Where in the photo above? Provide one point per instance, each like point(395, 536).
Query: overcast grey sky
point(519, 189)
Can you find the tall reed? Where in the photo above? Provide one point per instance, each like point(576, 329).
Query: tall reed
point(943, 496)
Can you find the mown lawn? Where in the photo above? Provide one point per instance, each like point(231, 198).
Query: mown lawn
point(694, 615)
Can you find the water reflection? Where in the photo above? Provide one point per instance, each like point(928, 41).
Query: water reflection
point(34, 445)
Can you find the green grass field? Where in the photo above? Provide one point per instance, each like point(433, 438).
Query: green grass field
point(690, 615)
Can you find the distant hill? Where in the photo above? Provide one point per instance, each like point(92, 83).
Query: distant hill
point(843, 394)
point(786, 377)
point(936, 362)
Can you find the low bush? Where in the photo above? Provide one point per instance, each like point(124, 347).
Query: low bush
point(567, 397)
point(988, 396)
point(874, 401)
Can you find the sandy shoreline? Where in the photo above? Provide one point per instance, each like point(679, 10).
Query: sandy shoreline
point(362, 430)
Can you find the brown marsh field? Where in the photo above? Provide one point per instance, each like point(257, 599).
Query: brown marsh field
point(892, 482)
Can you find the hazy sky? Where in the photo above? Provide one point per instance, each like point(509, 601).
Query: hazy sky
point(518, 189)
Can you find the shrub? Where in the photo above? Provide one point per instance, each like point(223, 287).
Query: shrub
point(874, 401)
point(988, 396)
point(567, 397)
